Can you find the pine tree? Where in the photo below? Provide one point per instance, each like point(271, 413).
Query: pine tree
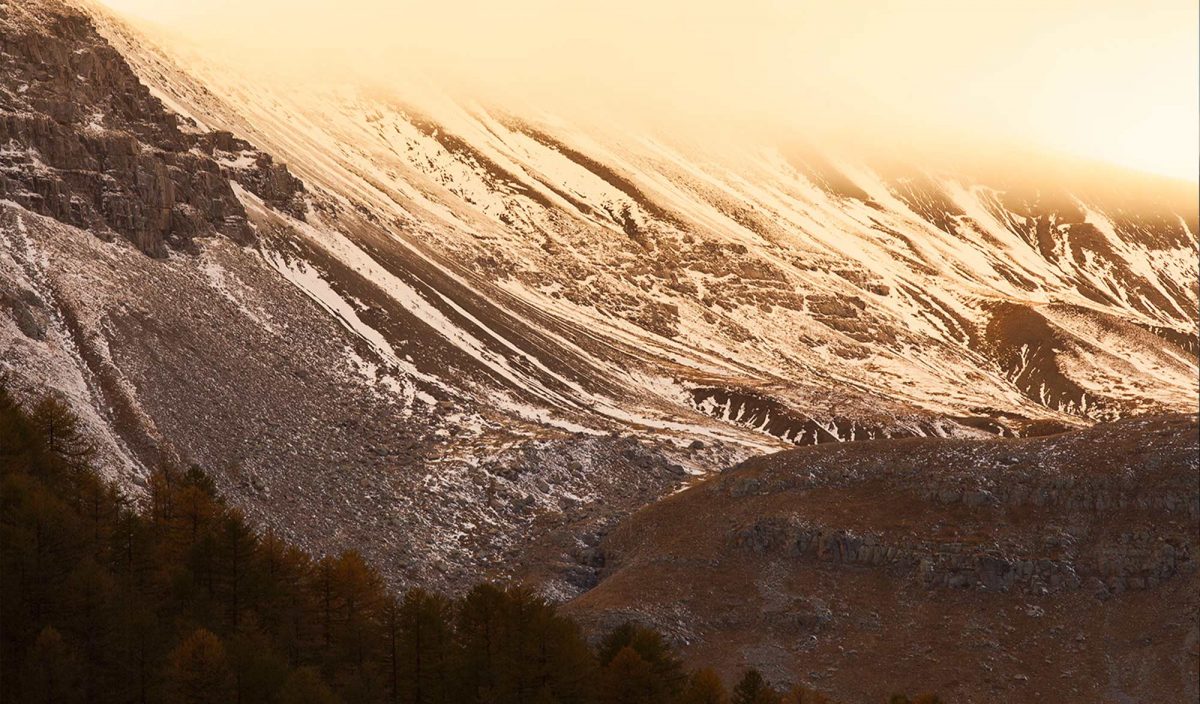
point(479, 629)
point(285, 599)
point(704, 687)
point(424, 653)
point(236, 548)
point(753, 689)
point(61, 432)
point(651, 647)
point(628, 678)
point(304, 686)
point(259, 671)
point(138, 650)
point(91, 599)
point(198, 671)
point(52, 671)
point(561, 665)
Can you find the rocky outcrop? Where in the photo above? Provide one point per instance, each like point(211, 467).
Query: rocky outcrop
point(84, 142)
point(256, 171)
point(1131, 561)
point(1075, 549)
point(759, 410)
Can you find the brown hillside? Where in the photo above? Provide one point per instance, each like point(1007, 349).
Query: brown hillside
point(1060, 568)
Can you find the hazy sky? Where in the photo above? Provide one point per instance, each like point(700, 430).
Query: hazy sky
point(1107, 79)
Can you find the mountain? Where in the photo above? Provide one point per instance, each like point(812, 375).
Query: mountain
point(1059, 567)
point(469, 341)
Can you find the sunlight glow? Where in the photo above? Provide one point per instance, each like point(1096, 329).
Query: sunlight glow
point(1109, 80)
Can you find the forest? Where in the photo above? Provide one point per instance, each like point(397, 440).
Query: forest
point(173, 596)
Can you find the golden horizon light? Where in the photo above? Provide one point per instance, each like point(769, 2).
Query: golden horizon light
point(1110, 81)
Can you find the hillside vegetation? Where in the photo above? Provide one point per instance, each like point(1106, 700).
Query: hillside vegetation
point(176, 598)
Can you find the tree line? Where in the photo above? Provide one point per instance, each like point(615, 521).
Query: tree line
point(176, 598)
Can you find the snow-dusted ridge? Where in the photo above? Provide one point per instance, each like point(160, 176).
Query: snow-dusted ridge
point(459, 292)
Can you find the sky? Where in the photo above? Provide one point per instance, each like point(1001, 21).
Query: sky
point(1116, 81)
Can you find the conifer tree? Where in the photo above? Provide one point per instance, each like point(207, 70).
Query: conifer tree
point(424, 654)
point(61, 432)
point(704, 687)
point(52, 671)
point(629, 679)
point(479, 627)
point(651, 647)
point(753, 689)
point(304, 686)
point(198, 671)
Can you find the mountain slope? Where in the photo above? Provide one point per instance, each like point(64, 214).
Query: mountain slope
point(467, 341)
point(1058, 568)
point(752, 271)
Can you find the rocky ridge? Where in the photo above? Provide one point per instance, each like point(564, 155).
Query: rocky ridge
point(85, 142)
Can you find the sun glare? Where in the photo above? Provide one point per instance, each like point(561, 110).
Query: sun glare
point(1110, 80)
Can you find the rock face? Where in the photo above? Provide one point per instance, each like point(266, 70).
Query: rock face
point(1015, 569)
point(82, 140)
